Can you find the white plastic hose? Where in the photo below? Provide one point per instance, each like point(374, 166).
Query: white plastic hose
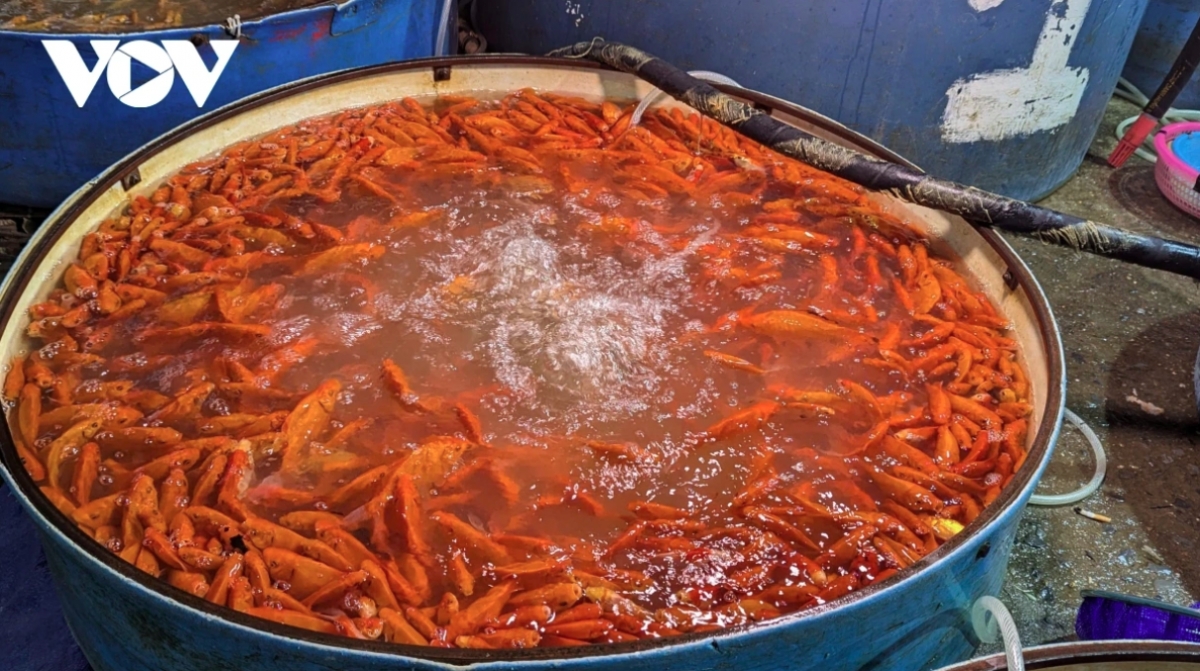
point(439, 47)
point(1097, 477)
point(705, 75)
point(1000, 623)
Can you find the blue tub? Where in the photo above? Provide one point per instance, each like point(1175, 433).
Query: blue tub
point(1164, 30)
point(126, 621)
point(1005, 95)
point(50, 145)
point(34, 636)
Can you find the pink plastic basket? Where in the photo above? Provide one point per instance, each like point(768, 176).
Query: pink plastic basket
point(1175, 178)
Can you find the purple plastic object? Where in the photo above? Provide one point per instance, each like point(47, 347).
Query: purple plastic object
point(1111, 616)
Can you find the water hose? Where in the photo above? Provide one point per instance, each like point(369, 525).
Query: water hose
point(975, 205)
point(439, 47)
point(1097, 476)
point(714, 77)
point(1000, 623)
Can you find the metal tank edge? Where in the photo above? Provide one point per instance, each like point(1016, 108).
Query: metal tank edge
point(1132, 655)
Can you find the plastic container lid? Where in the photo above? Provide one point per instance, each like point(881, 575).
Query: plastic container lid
point(1111, 616)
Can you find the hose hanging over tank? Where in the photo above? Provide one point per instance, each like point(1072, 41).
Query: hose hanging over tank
point(979, 207)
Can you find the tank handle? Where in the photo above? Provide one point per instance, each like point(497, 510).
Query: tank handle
point(999, 625)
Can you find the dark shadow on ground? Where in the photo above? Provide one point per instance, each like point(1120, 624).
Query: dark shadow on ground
point(1157, 456)
point(1134, 189)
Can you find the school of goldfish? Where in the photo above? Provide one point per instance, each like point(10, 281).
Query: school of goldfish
point(515, 373)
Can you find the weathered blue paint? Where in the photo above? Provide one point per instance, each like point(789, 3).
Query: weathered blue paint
point(1159, 39)
point(49, 146)
point(882, 68)
point(34, 636)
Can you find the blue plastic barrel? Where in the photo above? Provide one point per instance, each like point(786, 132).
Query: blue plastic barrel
point(50, 145)
point(1161, 36)
point(1003, 94)
point(33, 635)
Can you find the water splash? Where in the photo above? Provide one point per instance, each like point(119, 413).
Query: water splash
point(578, 340)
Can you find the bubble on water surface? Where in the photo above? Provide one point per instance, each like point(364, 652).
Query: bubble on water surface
point(289, 330)
point(347, 328)
point(582, 340)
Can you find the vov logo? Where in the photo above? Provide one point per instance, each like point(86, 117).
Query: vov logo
point(174, 56)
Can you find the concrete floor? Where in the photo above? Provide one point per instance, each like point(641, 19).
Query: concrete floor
point(1129, 333)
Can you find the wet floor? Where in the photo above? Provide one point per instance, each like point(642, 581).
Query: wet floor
point(1131, 337)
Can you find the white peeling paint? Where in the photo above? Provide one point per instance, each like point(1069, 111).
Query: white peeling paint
point(1010, 103)
point(984, 5)
point(576, 9)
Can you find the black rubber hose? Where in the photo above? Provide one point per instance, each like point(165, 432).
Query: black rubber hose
point(977, 206)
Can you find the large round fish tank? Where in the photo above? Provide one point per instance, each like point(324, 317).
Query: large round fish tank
point(127, 621)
